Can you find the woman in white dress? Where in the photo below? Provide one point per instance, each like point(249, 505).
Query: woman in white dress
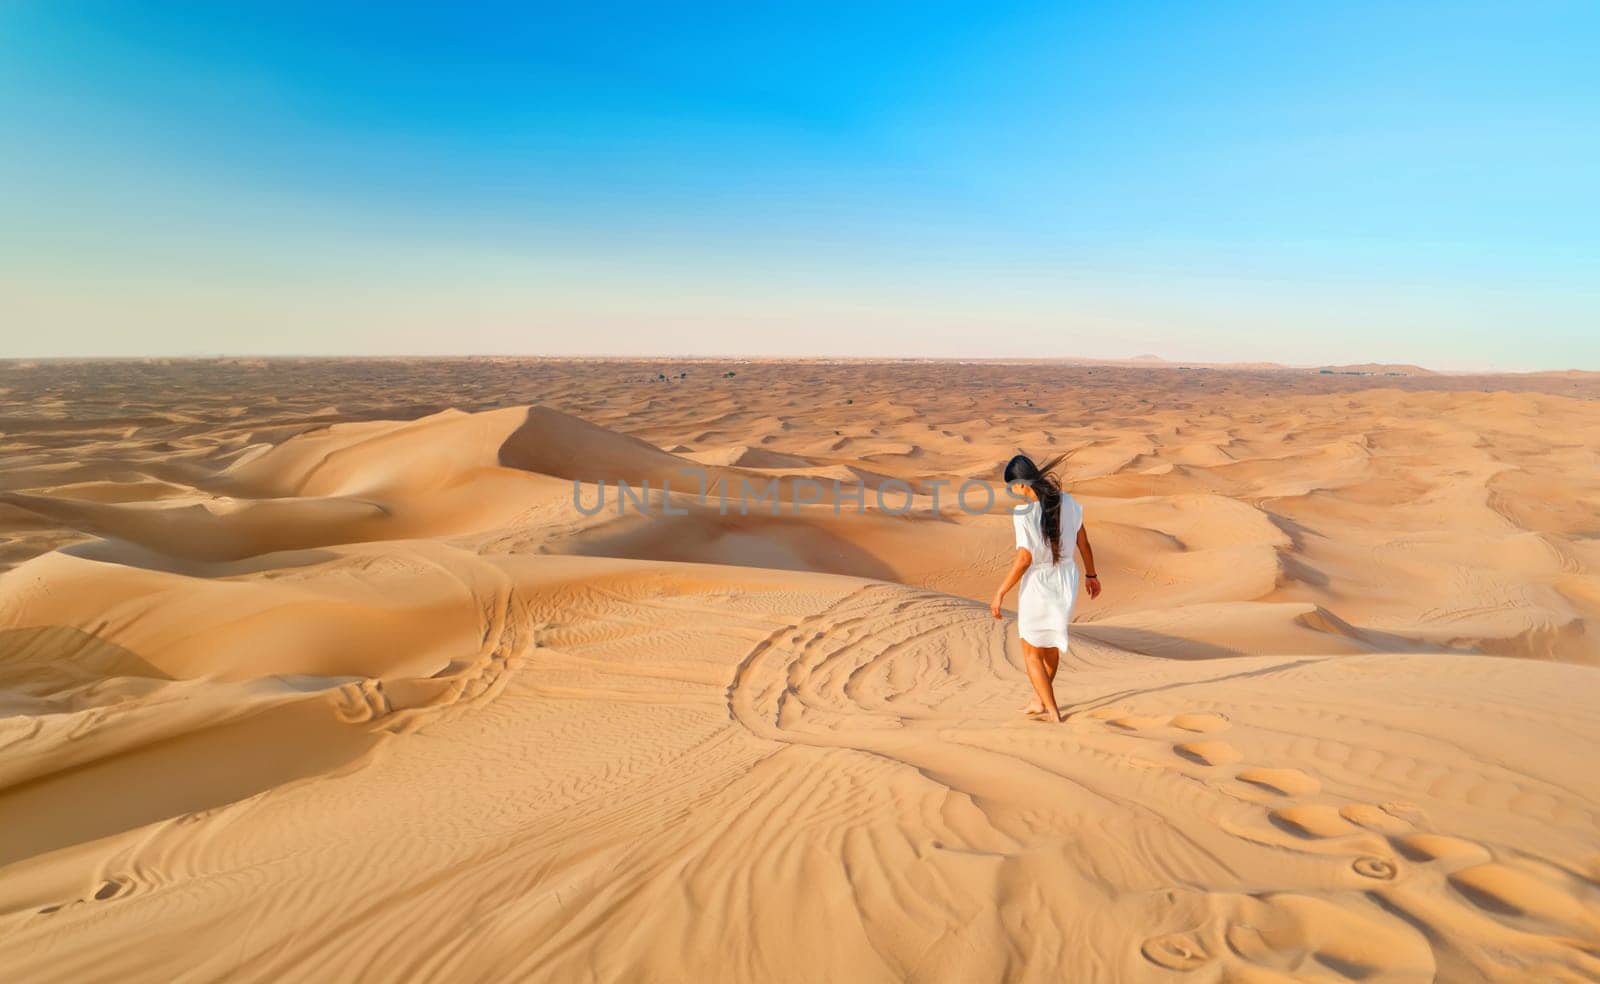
point(1046, 519)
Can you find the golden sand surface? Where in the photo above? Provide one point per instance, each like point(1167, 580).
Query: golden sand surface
point(315, 670)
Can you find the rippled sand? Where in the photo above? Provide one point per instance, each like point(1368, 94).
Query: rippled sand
point(312, 671)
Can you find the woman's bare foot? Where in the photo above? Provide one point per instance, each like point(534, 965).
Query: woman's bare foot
point(1037, 707)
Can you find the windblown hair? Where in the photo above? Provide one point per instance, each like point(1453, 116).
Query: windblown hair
point(1047, 487)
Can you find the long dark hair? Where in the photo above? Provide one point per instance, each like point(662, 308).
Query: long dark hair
point(1048, 488)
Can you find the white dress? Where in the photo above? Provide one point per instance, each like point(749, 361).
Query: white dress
point(1048, 591)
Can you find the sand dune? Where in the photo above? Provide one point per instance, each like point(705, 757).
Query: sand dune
point(297, 684)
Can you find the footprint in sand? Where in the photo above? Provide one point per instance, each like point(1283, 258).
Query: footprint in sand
point(1546, 908)
point(1409, 812)
point(1311, 820)
point(1294, 933)
point(1528, 889)
point(363, 702)
point(1135, 722)
point(1284, 782)
point(1439, 847)
point(1374, 818)
point(1177, 951)
point(108, 889)
point(1320, 821)
point(1549, 917)
point(1106, 713)
point(1288, 935)
point(1208, 752)
point(1200, 722)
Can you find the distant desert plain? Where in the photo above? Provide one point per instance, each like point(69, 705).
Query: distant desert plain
point(332, 670)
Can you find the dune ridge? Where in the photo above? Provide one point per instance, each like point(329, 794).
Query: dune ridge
point(355, 691)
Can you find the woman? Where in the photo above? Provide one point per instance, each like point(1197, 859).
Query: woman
point(1048, 575)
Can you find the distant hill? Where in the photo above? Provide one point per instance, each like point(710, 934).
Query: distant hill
point(1377, 369)
point(1151, 361)
point(1583, 374)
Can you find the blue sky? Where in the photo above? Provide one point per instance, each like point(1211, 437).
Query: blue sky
point(1304, 183)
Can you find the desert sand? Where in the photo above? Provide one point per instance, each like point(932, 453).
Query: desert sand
point(312, 671)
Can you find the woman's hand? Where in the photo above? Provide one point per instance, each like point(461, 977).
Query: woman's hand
point(994, 607)
point(1093, 586)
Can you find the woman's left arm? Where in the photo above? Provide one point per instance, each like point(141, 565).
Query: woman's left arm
point(1091, 579)
point(1018, 568)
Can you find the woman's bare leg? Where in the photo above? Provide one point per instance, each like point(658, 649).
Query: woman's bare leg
point(1035, 704)
point(1035, 659)
point(1052, 662)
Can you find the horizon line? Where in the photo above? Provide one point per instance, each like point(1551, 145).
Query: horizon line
point(1137, 362)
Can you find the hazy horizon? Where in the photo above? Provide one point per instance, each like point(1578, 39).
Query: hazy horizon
point(1151, 360)
point(1309, 187)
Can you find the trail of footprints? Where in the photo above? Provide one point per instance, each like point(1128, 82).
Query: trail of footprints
point(1508, 916)
point(102, 890)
